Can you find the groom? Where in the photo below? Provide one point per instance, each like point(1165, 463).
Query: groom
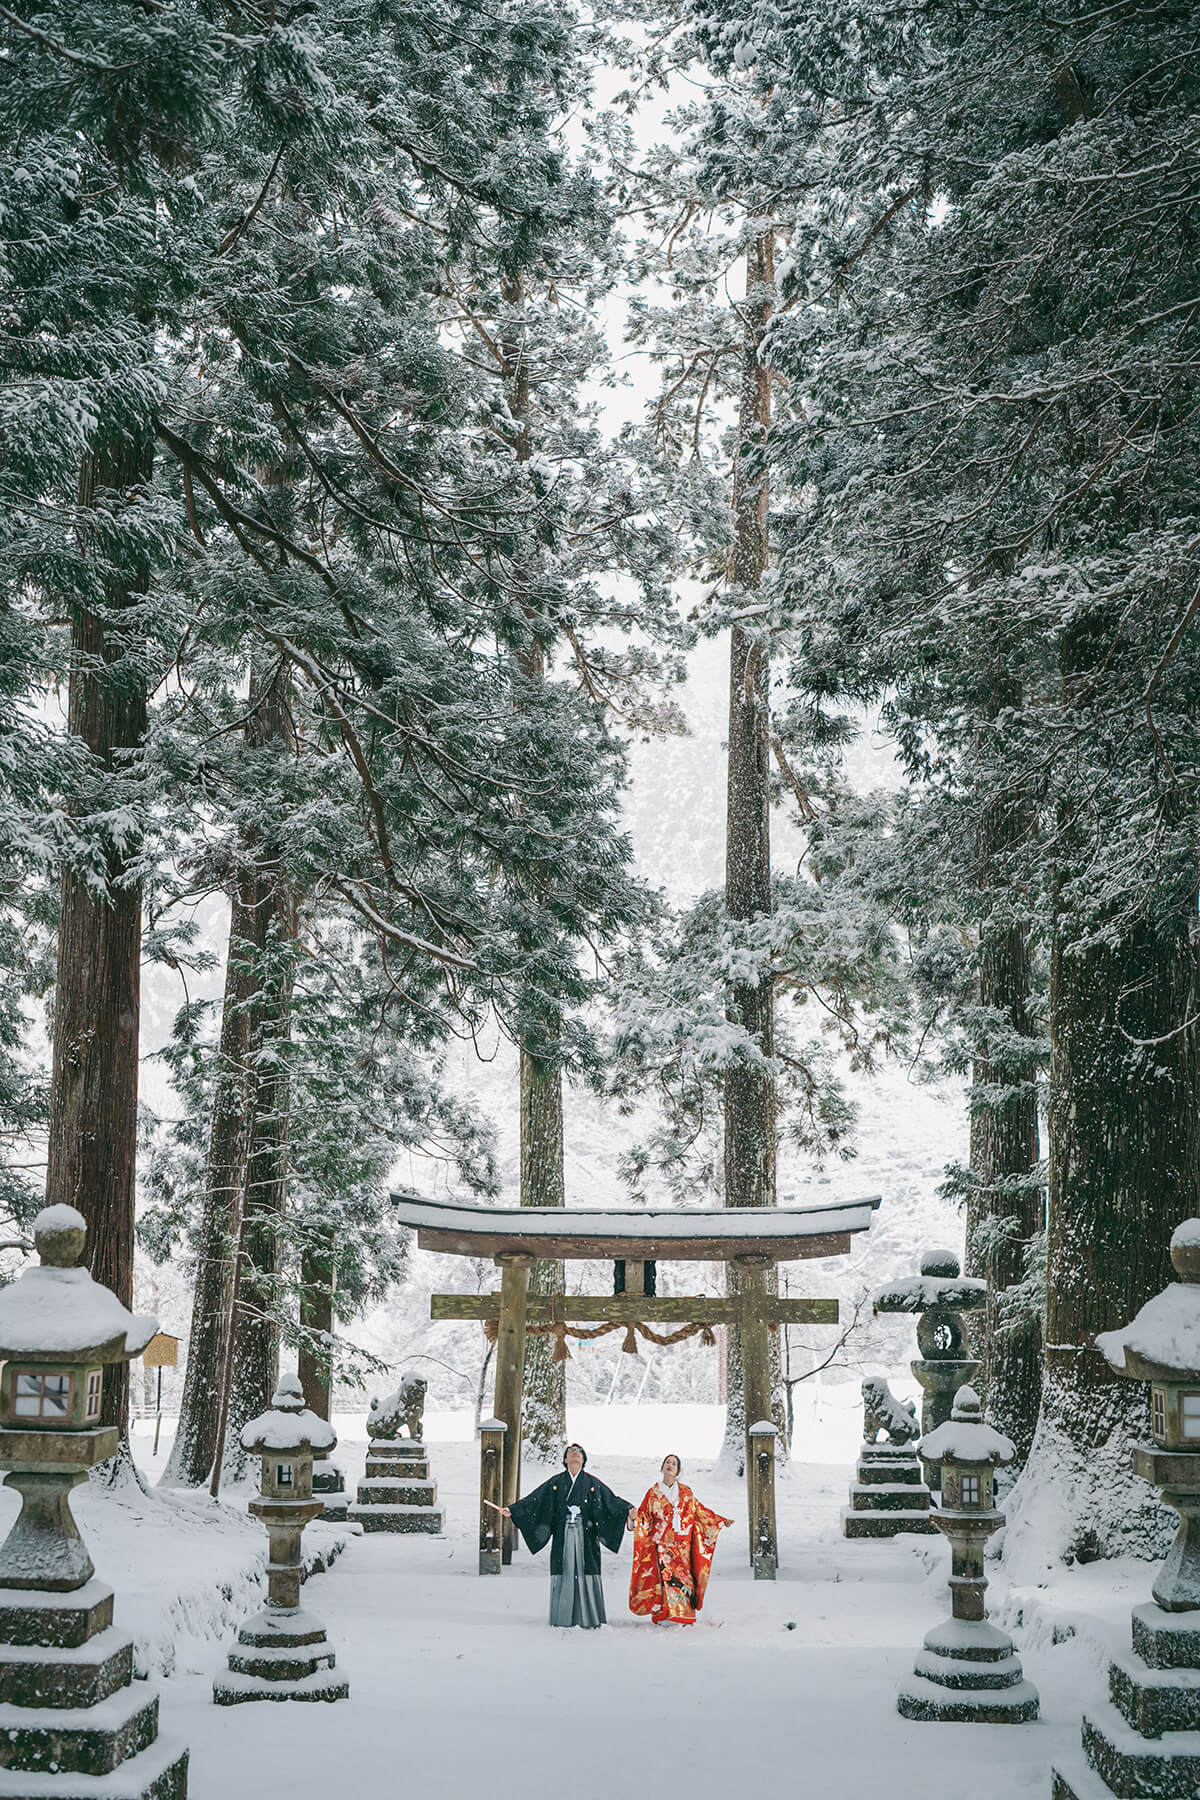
point(575, 1514)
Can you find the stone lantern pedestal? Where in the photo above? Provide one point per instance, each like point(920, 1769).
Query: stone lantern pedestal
point(968, 1671)
point(1146, 1740)
point(282, 1652)
point(72, 1720)
point(939, 1295)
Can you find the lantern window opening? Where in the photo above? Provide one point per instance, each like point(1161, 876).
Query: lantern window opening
point(969, 1490)
point(95, 1388)
point(284, 1476)
point(42, 1394)
point(1189, 1417)
point(1158, 1412)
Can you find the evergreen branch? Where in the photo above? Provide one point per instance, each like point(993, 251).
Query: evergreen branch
point(57, 49)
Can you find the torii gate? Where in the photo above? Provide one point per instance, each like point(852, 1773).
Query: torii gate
point(516, 1237)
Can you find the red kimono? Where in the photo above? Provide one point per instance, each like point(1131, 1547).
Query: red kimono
point(672, 1555)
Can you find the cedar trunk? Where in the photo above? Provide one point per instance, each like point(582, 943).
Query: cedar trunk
point(91, 1154)
point(1005, 1210)
point(195, 1443)
point(544, 1419)
point(316, 1331)
point(1124, 1171)
point(748, 1096)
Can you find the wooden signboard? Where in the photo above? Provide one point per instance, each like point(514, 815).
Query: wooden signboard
point(162, 1352)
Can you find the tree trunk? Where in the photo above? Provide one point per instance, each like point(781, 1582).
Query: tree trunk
point(1124, 1171)
point(542, 1184)
point(269, 909)
point(195, 1445)
point(92, 1146)
point(544, 1413)
point(316, 1324)
point(749, 1099)
point(1005, 1210)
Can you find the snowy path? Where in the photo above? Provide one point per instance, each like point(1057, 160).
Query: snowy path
point(459, 1687)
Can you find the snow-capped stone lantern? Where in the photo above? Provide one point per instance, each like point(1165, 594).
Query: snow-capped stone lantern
point(1155, 1689)
point(70, 1716)
point(939, 1295)
point(968, 1671)
point(282, 1653)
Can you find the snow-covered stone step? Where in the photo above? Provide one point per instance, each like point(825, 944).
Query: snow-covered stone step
point(427, 1519)
point(62, 1620)
point(889, 1496)
point(1166, 1640)
point(921, 1699)
point(1154, 1700)
point(397, 1493)
point(281, 1662)
point(66, 1676)
point(158, 1773)
point(1071, 1778)
point(885, 1524)
point(1136, 1767)
point(377, 1470)
point(957, 1672)
point(92, 1739)
point(888, 1474)
point(272, 1628)
point(969, 1640)
point(325, 1684)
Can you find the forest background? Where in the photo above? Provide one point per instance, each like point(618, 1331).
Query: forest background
point(329, 589)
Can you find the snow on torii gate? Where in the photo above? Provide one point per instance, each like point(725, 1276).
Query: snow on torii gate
point(516, 1237)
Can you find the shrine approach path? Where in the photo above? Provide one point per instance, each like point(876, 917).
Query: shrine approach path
point(459, 1688)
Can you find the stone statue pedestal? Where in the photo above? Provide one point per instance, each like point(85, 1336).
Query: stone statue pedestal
point(888, 1495)
point(396, 1493)
point(329, 1482)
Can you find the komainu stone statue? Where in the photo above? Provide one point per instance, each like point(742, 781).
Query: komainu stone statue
point(404, 1407)
point(882, 1411)
point(396, 1493)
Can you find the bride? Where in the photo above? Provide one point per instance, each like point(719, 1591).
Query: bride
point(674, 1536)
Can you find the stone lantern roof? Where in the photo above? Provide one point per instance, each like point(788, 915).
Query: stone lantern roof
point(966, 1437)
point(289, 1425)
point(1163, 1341)
point(938, 1285)
point(55, 1312)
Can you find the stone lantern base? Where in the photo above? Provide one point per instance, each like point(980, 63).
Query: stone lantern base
point(280, 1655)
point(72, 1722)
point(968, 1673)
point(888, 1495)
point(1147, 1740)
point(396, 1493)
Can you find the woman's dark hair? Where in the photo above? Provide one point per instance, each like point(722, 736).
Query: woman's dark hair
point(678, 1465)
point(581, 1451)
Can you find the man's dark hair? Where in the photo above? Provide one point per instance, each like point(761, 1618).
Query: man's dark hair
point(581, 1451)
point(678, 1465)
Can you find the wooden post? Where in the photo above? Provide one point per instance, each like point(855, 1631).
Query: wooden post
point(760, 1499)
point(492, 1433)
point(510, 1368)
point(756, 1367)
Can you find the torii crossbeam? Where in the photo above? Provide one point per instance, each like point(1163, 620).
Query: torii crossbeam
point(753, 1240)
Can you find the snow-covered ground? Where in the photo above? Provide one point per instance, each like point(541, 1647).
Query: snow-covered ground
point(458, 1686)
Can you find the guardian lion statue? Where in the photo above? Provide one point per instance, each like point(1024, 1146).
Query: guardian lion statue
point(883, 1412)
point(406, 1406)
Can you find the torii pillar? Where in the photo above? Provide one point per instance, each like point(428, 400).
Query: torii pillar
point(510, 1371)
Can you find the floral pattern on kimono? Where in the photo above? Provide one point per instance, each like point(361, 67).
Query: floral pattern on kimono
point(672, 1555)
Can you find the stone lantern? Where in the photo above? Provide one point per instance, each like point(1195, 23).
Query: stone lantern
point(282, 1653)
point(968, 1671)
point(70, 1717)
point(1147, 1739)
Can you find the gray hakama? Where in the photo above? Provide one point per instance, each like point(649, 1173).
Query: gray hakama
point(575, 1598)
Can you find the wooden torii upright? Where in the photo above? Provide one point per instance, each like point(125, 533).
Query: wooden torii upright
point(516, 1237)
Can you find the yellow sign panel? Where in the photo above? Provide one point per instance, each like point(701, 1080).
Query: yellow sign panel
point(162, 1352)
